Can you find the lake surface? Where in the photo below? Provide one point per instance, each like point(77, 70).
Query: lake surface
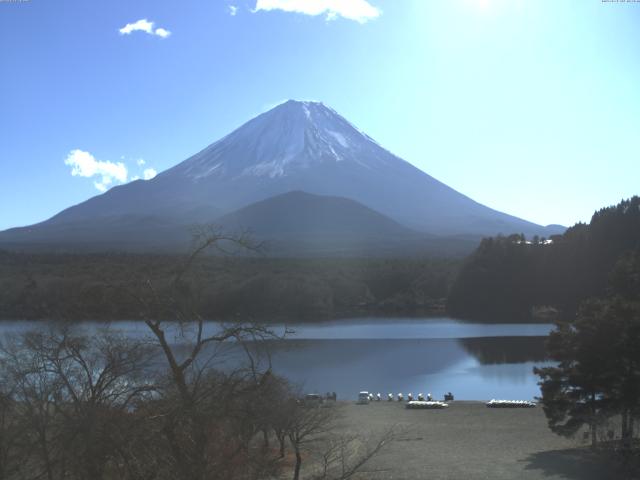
point(436, 355)
point(390, 355)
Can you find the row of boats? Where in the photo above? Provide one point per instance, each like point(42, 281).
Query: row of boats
point(421, 403)
point(510, 404)
point(427, 402)
point(365, 397)
point(431, 405)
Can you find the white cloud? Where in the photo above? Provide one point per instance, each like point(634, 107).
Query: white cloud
point(145, 26)
point(358, 10)
point(105, 173)
point(233, 10)
point(161, 32)
point(100, 186)
point(149, 173)
point(83, 164)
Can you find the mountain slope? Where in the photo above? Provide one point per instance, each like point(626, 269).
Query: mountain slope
point(297, 223)
point(304, 214)
point(296, 146)
point(291, 224)
point(123, 232)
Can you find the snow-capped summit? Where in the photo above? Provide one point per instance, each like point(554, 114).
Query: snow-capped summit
point(291, 137)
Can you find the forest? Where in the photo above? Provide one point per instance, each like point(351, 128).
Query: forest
point(507, 278)
point(88, 286)
point(511, 277)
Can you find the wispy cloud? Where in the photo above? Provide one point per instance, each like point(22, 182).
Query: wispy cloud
point(360, 11)
point(83, 164)
point(161, 32)
point(145, 26)
point(233, 10)
point(105, 173)
point(149, 173)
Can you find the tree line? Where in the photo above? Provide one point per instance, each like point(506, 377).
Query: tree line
point(595, 382)
point(39, 286)
point(594, 385)
point(512, 277)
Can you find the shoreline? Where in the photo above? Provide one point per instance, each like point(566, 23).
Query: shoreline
point(314, 320)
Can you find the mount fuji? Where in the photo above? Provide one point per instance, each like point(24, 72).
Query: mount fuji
point(294, 147)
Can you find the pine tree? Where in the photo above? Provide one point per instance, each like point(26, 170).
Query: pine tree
point(598, 371)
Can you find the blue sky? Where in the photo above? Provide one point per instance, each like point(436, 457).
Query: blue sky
point(530, 107)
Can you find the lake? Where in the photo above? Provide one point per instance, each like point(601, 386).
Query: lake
point(436, 355)
point(390, 355)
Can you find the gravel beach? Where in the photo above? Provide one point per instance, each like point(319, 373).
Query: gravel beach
point(470, 441)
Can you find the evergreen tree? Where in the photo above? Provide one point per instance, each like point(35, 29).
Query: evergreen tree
point(598, 371)
point(573, 393)
point(505, 278)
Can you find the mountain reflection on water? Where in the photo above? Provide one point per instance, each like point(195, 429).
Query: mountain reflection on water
point(496, 350)
point(471, 368)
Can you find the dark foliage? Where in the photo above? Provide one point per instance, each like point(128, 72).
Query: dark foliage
point(41, 286)
point(509, 277)
point(597, 377)
point(598, 372)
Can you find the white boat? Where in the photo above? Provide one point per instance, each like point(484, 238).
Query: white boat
point(417, 404)
point(510, 404)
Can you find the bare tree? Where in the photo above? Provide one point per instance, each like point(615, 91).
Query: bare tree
point(192, 400)
point(280, 402)
point(72, 393)
point(11, 432)
point(199, 410)
point(307, 425)
point(346, 455)
point(334, 456)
